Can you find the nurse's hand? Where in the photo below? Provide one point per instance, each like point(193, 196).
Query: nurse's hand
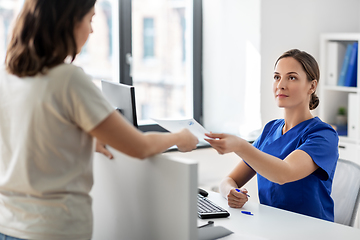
point(237, 199)
point(223, 143)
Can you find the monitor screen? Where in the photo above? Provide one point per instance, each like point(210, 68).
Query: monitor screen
point(122, 97)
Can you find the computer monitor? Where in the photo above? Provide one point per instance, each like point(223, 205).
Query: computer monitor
point(122, 97)
point(151, 199)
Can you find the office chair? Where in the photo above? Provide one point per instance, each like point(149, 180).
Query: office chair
point(346, 192)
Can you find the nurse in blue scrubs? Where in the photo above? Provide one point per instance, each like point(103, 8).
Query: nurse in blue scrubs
point(295, 157)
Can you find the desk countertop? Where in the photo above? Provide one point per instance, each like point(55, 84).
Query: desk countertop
point(272, 223)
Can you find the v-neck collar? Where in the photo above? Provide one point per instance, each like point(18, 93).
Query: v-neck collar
point(295, 127)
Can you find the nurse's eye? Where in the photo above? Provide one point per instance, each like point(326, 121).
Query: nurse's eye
point(276, 77)
point(292, 78)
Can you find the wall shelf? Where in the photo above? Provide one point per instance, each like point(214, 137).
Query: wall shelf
point(332, 96)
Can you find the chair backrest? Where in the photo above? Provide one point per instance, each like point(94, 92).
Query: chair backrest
point(346, 192)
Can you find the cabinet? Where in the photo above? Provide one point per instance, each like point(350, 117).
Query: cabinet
point(332, 97)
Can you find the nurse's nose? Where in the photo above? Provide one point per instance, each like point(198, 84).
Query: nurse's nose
point(281, 83)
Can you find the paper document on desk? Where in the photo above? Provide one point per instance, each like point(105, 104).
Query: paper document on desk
point(237, 236)
point(175, 125)
point(211, 233)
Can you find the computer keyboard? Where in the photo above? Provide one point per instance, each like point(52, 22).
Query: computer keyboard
point(208, 209)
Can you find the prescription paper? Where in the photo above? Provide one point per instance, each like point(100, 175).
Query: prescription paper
point(175, 125)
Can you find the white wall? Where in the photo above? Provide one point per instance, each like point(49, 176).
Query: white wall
point(272, 27)
point(238, 33)
point(231, 65)
point(297, 24)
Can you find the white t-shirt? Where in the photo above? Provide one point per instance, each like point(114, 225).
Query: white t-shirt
point(46, 153)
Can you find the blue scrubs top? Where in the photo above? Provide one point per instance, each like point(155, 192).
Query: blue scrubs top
point(310, 195)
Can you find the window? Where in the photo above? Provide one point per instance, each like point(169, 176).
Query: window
point(155, 54)
point(99, 57)
point(148, 34)
point(153, 45)
point(9, 9)
point(159, 58)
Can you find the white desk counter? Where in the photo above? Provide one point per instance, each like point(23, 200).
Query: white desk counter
point(213, 167)
point(272, 223)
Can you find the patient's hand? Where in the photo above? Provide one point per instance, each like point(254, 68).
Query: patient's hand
point(101, 148)
point(187, 141)
point(237, 199)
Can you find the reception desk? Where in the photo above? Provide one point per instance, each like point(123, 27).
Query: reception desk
point(272, 223)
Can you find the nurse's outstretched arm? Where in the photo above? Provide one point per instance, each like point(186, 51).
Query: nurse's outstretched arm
point(121, 135)
point(295, 166)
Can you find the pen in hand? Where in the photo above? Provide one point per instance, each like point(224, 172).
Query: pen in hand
point(238, 190)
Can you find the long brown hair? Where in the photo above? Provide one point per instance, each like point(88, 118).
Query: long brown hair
point(311, 68)
point(43, 36)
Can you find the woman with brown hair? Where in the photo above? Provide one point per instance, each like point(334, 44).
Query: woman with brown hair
point(295, 157)
point(50, 113)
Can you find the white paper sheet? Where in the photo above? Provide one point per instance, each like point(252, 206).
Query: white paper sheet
point(240, 236)
point(175, 125)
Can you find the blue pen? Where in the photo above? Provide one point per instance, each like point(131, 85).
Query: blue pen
point(247, 212)
point(238, 190)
